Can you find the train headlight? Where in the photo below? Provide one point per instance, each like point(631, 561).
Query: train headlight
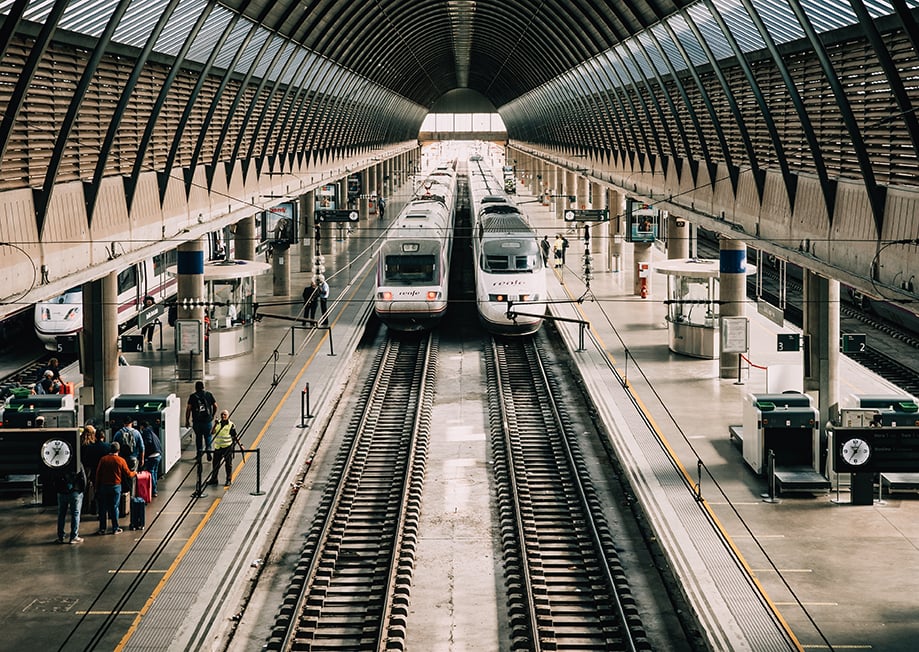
point(433, 295)
point(524, 297)
point(72, 314)
point(385, 296)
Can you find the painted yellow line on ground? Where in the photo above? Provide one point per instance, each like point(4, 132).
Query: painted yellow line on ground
point(808, 604)
point(162, 583)
point(104, 613)
point(783, 570)
point(692, 483)
point(210, 512)
point(131, 570)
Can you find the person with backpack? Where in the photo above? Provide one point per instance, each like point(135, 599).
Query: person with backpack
point(131, 444)
point(199, 415)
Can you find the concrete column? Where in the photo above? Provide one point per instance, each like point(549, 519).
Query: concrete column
point(677, 238)
point(307, 217)
point(582, 192)
point(821, 327)
point(363, 203)
point(341, 188)
point(534, 175)
point(280, 269)
point(616, 230)
point(190, 296)
point(597, 200)
point(99, 346)
point(733, 294)
point(245, 239)
point(641, 268)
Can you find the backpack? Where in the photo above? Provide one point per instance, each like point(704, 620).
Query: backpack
point(127, 443)
point(201, 408)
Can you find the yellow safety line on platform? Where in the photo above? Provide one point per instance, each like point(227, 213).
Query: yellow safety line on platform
point(702, 501)
point(210, 512)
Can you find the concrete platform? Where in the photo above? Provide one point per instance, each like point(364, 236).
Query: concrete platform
point(833, 572)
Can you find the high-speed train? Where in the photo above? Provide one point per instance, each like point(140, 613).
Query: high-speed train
point(508, 262)
point(413, 266)
point(63, 315)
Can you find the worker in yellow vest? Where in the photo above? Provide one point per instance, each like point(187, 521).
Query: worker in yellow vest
point(223, 436)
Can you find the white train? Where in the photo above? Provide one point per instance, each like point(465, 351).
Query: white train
point(63, 315)
point(507, 258)
point(413, 267)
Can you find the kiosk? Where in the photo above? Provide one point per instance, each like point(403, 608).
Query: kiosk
point(230, 290)
point(692, 305)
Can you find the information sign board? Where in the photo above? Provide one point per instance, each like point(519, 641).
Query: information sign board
point(587, 215)
point(854, 343)
point(788, 342)
point(341, 215)
point(734, 335)
point(876, 450)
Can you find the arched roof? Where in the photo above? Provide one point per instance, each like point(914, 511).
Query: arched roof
point(424, 48)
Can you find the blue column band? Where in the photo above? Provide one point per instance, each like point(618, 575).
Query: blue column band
point(733, 261)
point(190, 262)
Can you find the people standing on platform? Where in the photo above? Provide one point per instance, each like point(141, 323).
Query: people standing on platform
point(48, 384)
point(147, 331)
point(92, 447)
point(54, 366)
point(207, 335)
point(381, 205)
point(557, 247)
point(69, 484)
point(153, 453)
point(130, 443)
point(564, 248)
point(199, 414)
point(323, 299)
point(224, 437)
point(110, 473)
point(311, 299)
point(546, 247)
point(586, 235)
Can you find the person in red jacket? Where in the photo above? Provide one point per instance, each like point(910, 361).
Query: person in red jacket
point(110, 473)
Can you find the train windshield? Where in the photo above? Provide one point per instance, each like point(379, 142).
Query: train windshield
point(410, 269)
point(511, 256)
point(73, 295)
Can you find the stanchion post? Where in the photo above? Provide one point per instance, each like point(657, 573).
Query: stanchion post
point(199, 486)
point(258, 474)
point(305, 405)
point(770, 470)
point(157, 322)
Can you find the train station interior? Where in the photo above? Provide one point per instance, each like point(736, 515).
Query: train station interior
point(734, 182)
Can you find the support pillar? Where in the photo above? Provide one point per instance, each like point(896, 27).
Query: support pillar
point(99, 346)
point(821, 326)
point(677, 238)
point(245, 239)
point(363, 201)
point(615, 235)
point(733, 294)
point(307, 218)
point(190, 296)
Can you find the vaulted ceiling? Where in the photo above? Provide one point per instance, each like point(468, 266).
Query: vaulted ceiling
point(423, 48)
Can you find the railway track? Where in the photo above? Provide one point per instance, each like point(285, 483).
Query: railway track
point(350, 589)
point(567, 588)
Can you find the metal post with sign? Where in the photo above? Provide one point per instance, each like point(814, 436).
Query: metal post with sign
point(189, 340)
point(735, 338)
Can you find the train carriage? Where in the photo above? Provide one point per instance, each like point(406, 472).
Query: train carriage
point(508, 262)
point(413, 265)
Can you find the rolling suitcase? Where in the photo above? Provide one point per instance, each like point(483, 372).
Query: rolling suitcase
point(138, 516)
point(143, 487)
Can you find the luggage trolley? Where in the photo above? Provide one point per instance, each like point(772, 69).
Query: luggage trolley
point(787, 426)
point(161, 411)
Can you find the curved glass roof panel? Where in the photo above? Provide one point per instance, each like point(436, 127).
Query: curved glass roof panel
point(712, 34)
point(779, 19)
point(179, 25)
point(138, 22)
point(87, 16)
point(688, 40)
point(210, 33)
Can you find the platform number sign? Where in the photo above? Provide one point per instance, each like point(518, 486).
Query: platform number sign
point(788, 342)
point(854, 343)
point(132, 344)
